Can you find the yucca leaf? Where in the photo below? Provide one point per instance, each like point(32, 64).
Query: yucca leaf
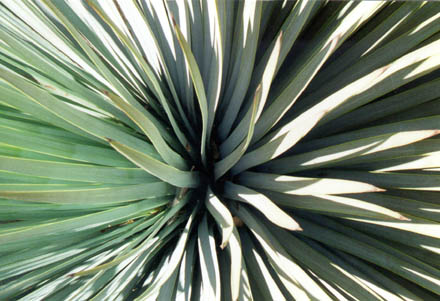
point(419, 226)
point(411, 66)
point(332, 204)
point(262, 203)
point(213, 55)
point(133, 252)
point(388, 106)
point(267, 288)
point(208, 262)
point(239, 282)
point(427, 161)
point(387, 53)
point(59, 148)
point(302, 185)
point(165, 172)
point(426, 58)
point(241, 69)
point(253, 113)
point(427, 123)
point(30, 260)
point(338, 226)
point(60, 75)
point(35, 234)
point(387, 22)
point(96, 194)
point(414, 206)
point(173, 262)
point(371, 254)
point(319, 50)
point(83, 122)
point(152, 80)
point(421, 181)
point(221, 215)
point(298, 282)
point(290, 29)
point(320, 264)
point(198, 86)
point(184, 285)
point(78, 172)
point(365, 275)
point(337, 153)
point(148, 124)
point(227, 163)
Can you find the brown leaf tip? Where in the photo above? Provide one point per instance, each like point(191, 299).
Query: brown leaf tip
point(435, 132)
point(384, 69)
point(280, 37)
point(404, 218)
point(223, 245)
point(334, 42)
point(297, 228)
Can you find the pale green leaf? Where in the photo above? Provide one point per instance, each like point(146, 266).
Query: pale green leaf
point(163, 171)
point(269, 209)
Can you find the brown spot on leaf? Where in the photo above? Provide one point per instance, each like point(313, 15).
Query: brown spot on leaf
point(334, 42)
point(383, 70)
point(237, 221)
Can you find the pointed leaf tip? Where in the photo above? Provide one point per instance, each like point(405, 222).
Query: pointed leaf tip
point(435, 133)
point(404, 218)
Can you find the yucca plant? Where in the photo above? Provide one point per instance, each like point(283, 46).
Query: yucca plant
point(219, 150)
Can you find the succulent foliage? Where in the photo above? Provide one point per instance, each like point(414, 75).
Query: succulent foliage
point(219, 150)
